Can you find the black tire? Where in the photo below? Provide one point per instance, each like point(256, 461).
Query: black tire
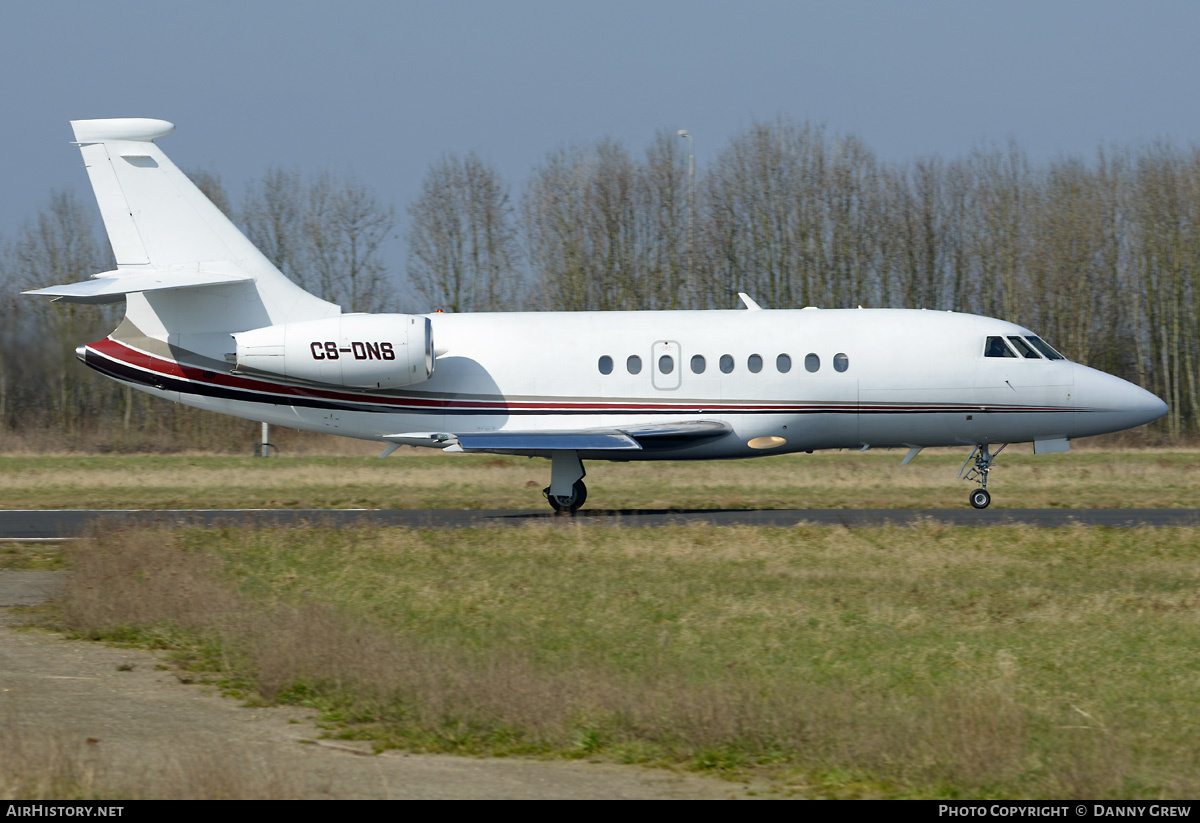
point(980, 498)
point(578, 497)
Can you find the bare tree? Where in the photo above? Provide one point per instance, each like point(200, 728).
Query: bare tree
point(210, 184)
point(580, 213)
point(1167, 254)
point(919, 221)
point(463, 249)
point(57, 246)
point(846, 251)
point(345, 227)
point(753, 217)
point(661, 190)
point(271, 217)
point(327, 234)
point(1006, 197)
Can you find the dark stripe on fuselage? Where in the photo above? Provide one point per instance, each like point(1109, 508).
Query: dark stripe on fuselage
point(108, 358)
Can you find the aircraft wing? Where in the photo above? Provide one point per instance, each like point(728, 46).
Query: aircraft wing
point(624, 438)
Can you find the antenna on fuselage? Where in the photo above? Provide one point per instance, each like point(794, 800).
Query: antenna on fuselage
point(750, 304)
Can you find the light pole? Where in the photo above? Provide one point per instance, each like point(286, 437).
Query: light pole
point(691, 201)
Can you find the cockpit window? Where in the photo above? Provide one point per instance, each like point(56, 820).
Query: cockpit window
point(1023, 348)
point(1044, 347)
point(996, 347)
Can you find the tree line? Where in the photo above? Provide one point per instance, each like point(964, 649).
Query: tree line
point(1100, 255)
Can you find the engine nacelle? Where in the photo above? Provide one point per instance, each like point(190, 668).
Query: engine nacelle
point(354, 351)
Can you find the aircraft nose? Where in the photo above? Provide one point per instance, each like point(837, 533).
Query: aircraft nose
point(1104, 403)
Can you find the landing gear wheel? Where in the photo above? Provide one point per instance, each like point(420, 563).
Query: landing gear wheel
point(568, 504)
point(980, 498)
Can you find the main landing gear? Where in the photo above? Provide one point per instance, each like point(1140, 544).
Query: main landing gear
point(980, 498)
point(567, 504)
point(566, 491)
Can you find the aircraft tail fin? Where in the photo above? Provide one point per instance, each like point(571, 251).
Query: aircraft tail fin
point(170, 240)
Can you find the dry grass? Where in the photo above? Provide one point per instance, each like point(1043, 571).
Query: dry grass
point(41, 765)
point(921, 661)
point(217, 435)
point(422, 479)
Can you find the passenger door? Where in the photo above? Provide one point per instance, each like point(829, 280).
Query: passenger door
point(666, 368)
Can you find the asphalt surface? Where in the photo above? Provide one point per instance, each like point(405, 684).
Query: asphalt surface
point(50, 524)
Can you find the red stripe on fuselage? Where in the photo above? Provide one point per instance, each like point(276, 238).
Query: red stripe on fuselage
point(154, 364)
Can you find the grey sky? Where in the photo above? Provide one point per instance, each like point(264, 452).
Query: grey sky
point(383, 88)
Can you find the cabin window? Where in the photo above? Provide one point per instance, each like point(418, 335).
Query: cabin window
point(698, 364)
point(812, 362)
point(783, 363)
point(996, 347)
point(754, 363)
point(726, 363)
point(1023, 348)
point(605, 365)
point(666, 364)
point(1045, 348)
point(841, 362)
point(634, 364)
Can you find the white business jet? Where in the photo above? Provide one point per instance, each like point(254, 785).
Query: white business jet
point(210, 322)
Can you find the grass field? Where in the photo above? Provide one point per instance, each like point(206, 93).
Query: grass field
point(923, 661)
point(418, 479)
point(902, 662)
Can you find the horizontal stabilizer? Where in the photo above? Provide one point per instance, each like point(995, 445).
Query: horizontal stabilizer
point(136, 129)
point(112, 286)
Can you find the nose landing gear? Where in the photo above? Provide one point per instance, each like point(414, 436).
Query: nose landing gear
point(980, 498)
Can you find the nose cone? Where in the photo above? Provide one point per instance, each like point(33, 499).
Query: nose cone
point(1104, 403)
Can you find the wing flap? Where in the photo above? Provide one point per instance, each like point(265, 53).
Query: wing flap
point(548, 441)
point(625, 438)
point(686, 430)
